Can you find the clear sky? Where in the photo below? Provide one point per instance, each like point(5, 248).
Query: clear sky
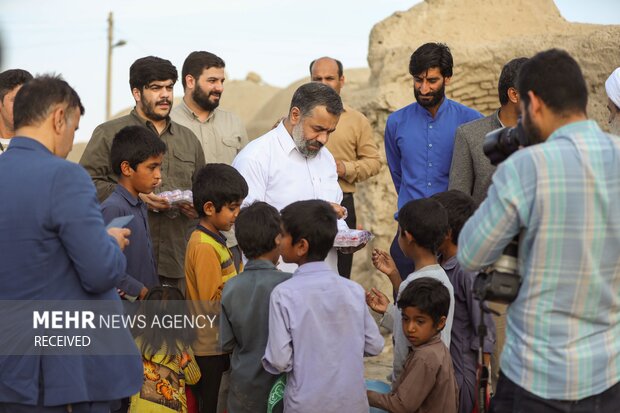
point(274, 38)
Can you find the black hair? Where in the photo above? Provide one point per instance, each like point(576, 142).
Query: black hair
point(315, 221)
point(555, 77)
point(431, 55)
point(338, 63)
point(508, 78)
point(150, 69)
point(428, 295)
point(134, 144)
point(163, 301)
point(460, 207)
point(38, 96)
point(426, 220)
point(10, 79)
point(256, 229)
point(313, 94)
point(219, 183)
point(196, 62)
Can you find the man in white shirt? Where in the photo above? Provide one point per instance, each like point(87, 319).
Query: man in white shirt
point(10, 82)
point(289, 163)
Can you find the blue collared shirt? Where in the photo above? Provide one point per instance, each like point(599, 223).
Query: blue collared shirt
point(562, 198)
point(419, 147)
point(141, 269)
point(319, 331)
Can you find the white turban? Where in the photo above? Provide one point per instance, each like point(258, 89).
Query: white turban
point(612, 86)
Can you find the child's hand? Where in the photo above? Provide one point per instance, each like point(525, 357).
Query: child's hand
point(384, 262)
point(377, 301)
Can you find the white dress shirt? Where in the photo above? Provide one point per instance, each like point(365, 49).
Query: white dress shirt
point(277, 173)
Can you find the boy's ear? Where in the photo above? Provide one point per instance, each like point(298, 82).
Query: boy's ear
point(277, 240)
point(208, 208)
point(408, 237)
point(441, 323)
point(302, 247)
point(126, 169)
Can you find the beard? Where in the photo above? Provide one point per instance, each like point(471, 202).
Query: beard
point(534, 134)
point(148, 107)
point(308, 148)
point(203, 100)
point(437, 96)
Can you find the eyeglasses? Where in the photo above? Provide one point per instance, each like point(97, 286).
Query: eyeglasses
point(153, 87)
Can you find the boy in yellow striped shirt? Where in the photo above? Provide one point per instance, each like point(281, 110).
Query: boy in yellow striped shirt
point(218, 192)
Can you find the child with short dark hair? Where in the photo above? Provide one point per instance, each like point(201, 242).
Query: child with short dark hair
point(423, 224)
point(136, 156)
point(244, 324)
point(319, 325)
point(464, 342)
point(427, 382)
point(218, 192)
point(167, 357)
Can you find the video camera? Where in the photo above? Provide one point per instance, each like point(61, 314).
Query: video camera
point(501, 281)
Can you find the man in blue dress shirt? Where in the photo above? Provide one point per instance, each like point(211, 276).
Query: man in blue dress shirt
point(419, 138)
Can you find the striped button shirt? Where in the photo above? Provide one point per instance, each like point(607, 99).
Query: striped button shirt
point(563, 199)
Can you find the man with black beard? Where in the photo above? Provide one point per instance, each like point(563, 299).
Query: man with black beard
point(221, 133)
point(419, 138)
point(289, 163)
point(152, 82)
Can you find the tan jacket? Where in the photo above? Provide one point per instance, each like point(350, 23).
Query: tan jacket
point(352, 143)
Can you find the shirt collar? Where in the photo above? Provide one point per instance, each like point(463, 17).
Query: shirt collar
point(190, 113)
point(28, 143)
point(285, 139)
point(434, 340)
point(449, 264)
point(259, 265)
point(310, 268)
point(582, 127)
point(150, 125)
point(219, 237)
point(122, 191)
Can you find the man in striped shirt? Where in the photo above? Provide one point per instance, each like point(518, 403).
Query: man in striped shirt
point(562, 197)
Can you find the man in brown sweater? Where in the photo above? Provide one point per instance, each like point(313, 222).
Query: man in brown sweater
point(351, 144)
point(427, 384)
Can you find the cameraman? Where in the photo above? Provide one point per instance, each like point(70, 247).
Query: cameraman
point(562, 197)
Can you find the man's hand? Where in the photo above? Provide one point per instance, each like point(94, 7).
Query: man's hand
point(188, 210)
point(155, 203)
point(120, 236)
point(377, 301)
point(341, 170)
point(340, 210)
point(351, 250)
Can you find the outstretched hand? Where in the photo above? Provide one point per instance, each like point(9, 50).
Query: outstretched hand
point(377, 301)
point(384, 262)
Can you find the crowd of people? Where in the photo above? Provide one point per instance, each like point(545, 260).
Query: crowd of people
point(255, 246)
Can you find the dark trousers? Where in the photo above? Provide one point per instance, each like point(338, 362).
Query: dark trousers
point(345, 261)
point(207, 389)
point(405, 265)
point(511, 398)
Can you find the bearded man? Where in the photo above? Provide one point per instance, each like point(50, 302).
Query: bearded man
point(221, 133)
point(152, 80)
point(289, 163)
point(419, 138)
